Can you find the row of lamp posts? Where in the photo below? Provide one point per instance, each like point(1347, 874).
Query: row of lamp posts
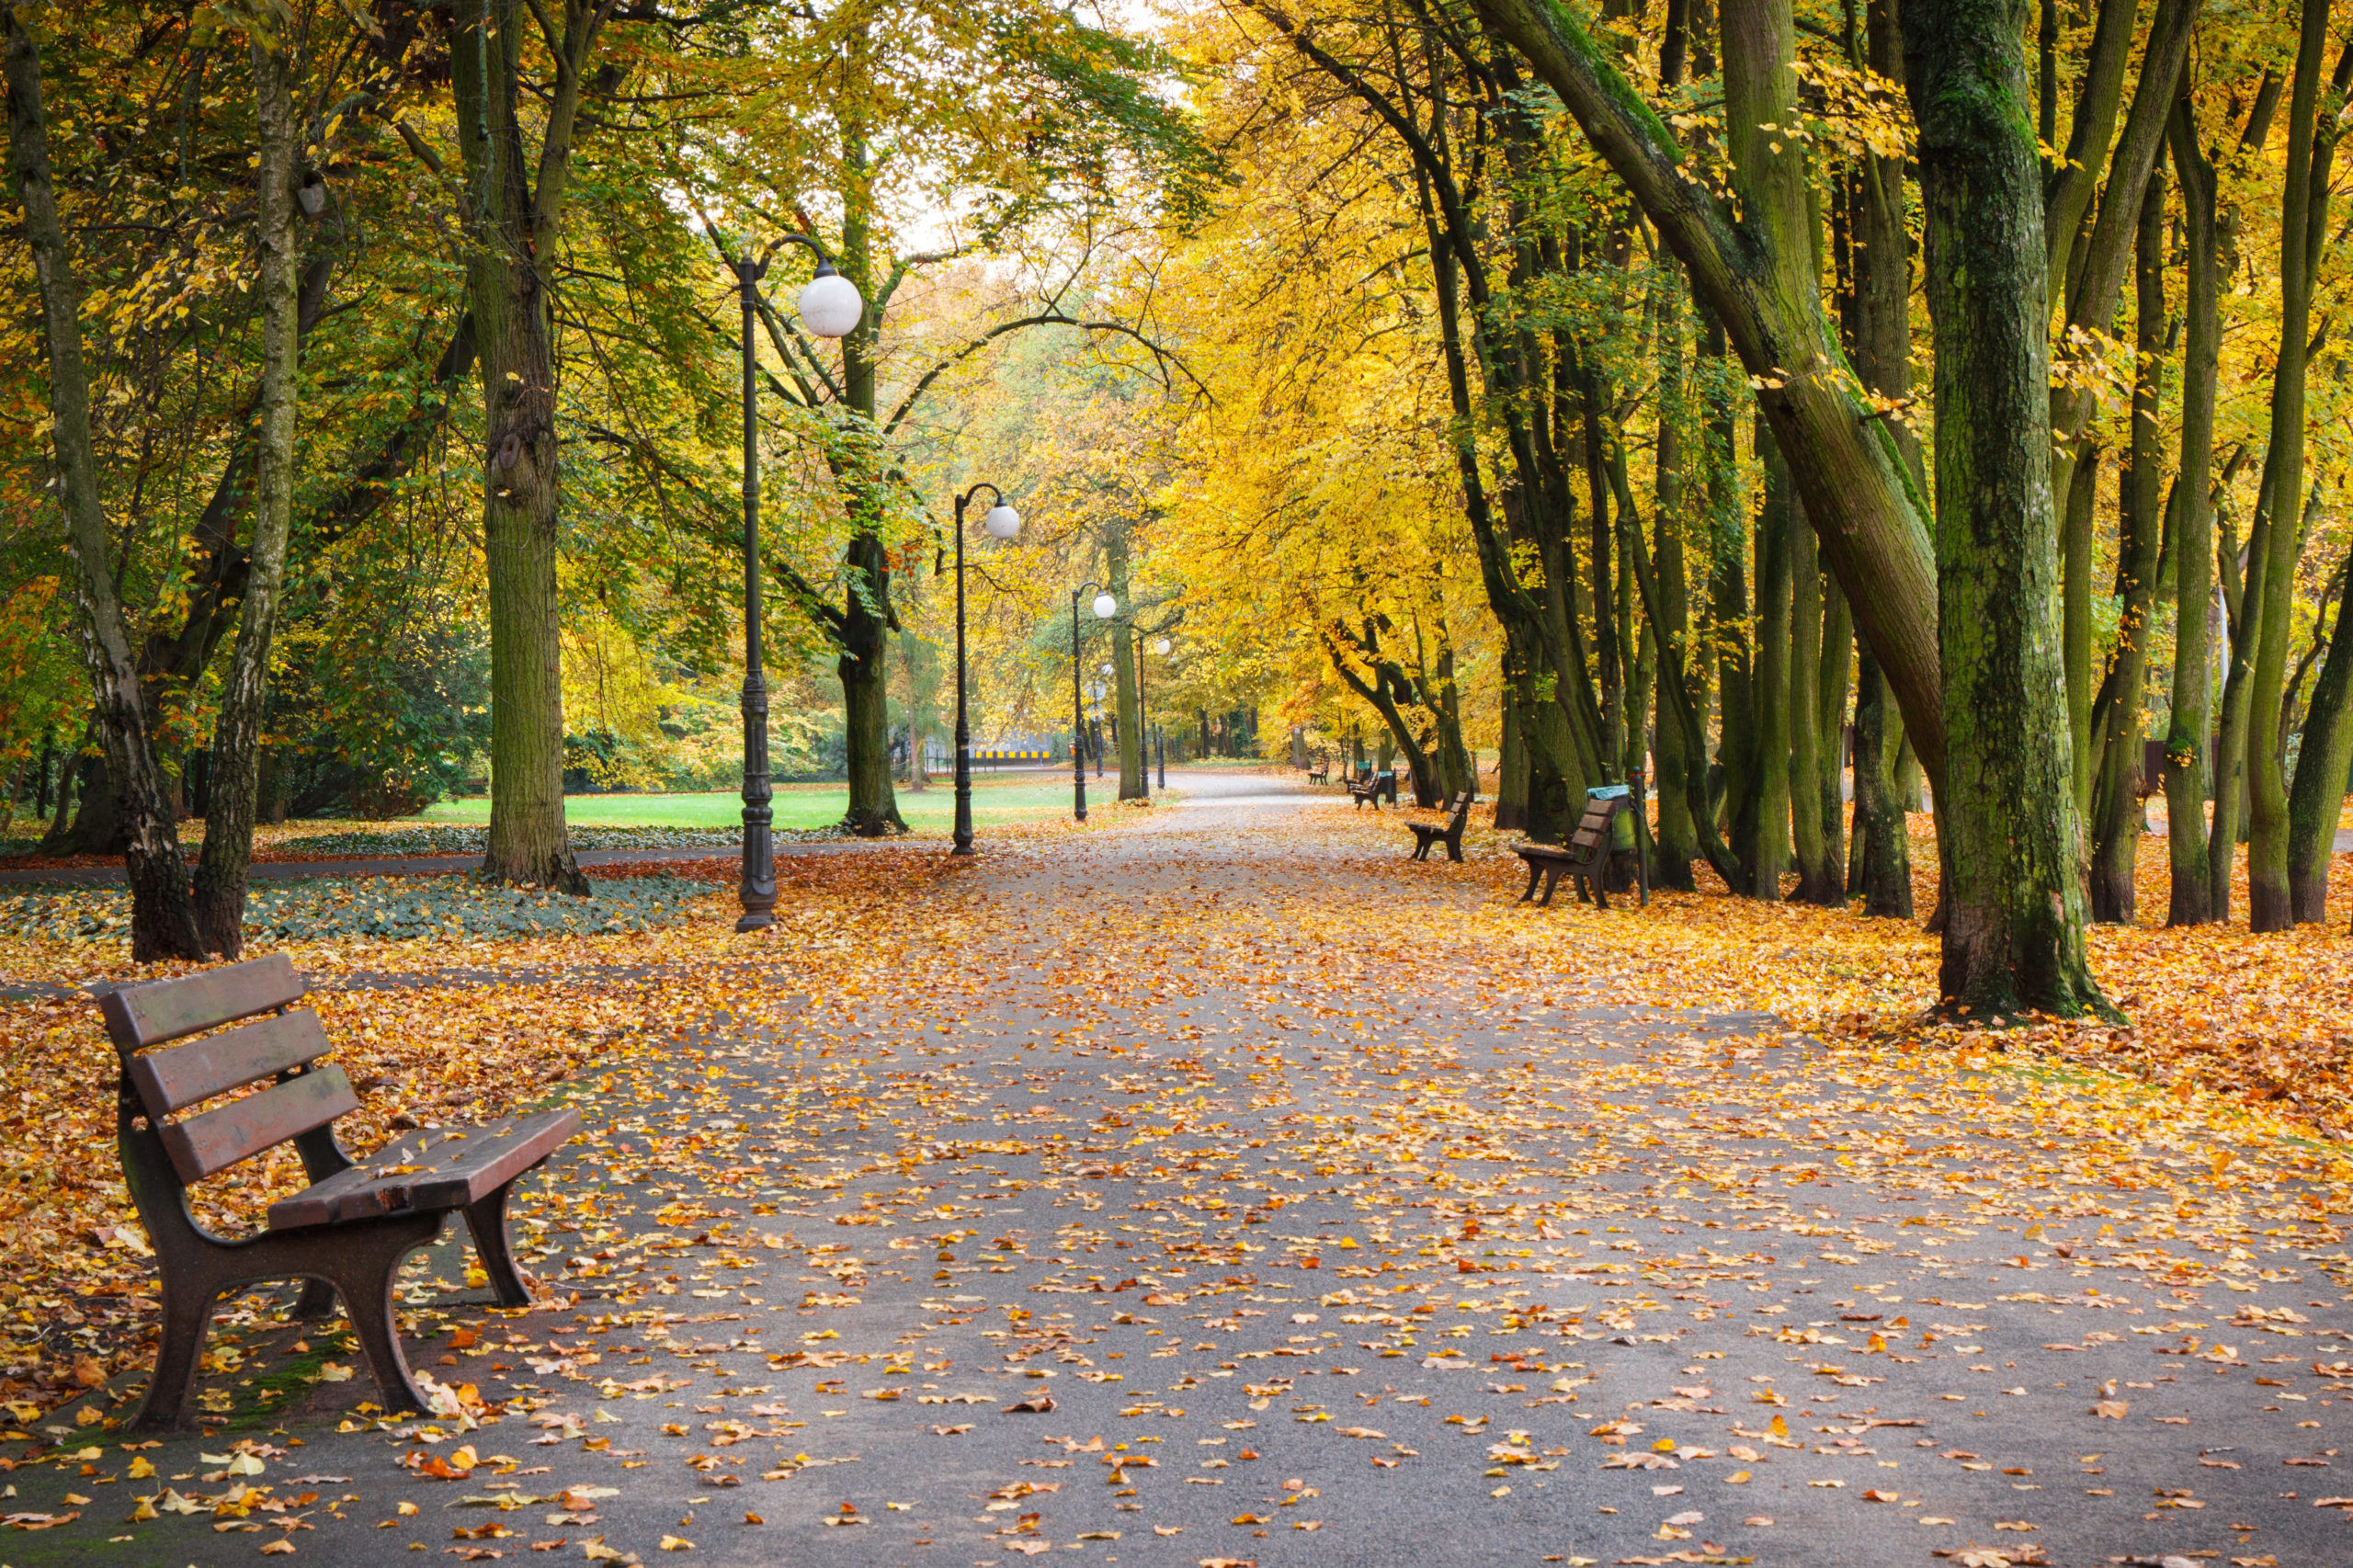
point(831, 308)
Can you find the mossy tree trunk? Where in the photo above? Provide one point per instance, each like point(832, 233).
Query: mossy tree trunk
point(2187, 761)
point(232, 784)
point(2011, 839)
point(163, 925)
point(2116, 725)
point(516, 230)
point(2304, 222)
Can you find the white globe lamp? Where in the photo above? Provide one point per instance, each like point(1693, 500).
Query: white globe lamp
point(1002, 521)
point(1106, 606)
point(830, 305)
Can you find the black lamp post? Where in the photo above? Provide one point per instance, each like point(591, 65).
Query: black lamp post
point(1002, 522)
point(1144, 723)
point(1160, 739)
point(1106, 606)
point(830, 307)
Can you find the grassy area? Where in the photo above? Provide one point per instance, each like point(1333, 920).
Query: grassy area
point(1020, 797)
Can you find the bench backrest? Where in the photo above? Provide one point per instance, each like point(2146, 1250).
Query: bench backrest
point(281, 1046)
point(1593, 828)
point(1462, 811)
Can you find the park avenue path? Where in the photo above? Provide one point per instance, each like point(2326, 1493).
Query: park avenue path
point(1223, 1188)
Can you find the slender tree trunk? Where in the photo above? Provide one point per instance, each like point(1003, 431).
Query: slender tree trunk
point(163, 925)
point(1678, 841)
point(2317, 803)
point(1122, 640)
point(1821, 878)
point(2303, 202)
point(1883, 866)
point(2117, 810)
point(2011, 840)
point(2227, 830)
point(2081, 504)
point(1766, 816)
point(1830, 726)
point(234, 778)
point(2191, 719)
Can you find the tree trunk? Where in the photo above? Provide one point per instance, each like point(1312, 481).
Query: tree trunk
point(2317, 803)
point(162, 922)
point(2188, 733)
point(1821, 878)
point(2116, 806)
point(865, 670)
point(1831, 687)
point(1511, 767)
point(2303, 204)
point(517, 230)
point(2082, 502)
point(1764, 823)
point(1125, 649)
point(1882, 865)
point(234, 773)
point(2013, 939)
point(1678, 844)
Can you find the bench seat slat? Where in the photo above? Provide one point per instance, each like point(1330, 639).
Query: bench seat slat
point(216, 1140)
point(187, 1074)
point(140, 1015)
point(452, 1167)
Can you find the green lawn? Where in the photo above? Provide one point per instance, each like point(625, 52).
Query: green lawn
point(1025, 797)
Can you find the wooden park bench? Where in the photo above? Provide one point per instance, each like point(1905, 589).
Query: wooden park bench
point(344, 1235)
point(1376, 787)
point(1585, 858)
point(1320, 774)
point(1449, 833)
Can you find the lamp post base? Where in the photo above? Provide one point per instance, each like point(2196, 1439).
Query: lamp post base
point(759, 922)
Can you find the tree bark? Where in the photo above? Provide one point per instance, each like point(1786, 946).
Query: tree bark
point(2188, 733)
point(1511, 766)
point(2116, 728)
point(517, 226)
point(2317, 801)
point(1821, 878)
point(2013, 938)
point(1761, 836)
point(162, 924)
point(2302, 221)
point(1677, 843)
point(233, 776)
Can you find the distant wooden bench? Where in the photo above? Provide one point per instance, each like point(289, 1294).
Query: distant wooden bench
point(346, 1235)
point(1375, 788)
point(1449, 833)
point(1319, 773)
point(1585, 858)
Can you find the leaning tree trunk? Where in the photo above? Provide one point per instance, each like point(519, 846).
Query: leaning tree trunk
point(2268, 905)
point(234, 778)
point(2117, 795)
point(2186, 737)
point(2014, 931)
point(162, 924)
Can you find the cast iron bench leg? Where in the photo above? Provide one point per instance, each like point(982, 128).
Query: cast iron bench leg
point(1534, 871)
point(367, 1279)
point(487, 1221)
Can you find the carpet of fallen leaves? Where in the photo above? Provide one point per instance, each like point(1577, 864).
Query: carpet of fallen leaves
point(2248, 1031)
